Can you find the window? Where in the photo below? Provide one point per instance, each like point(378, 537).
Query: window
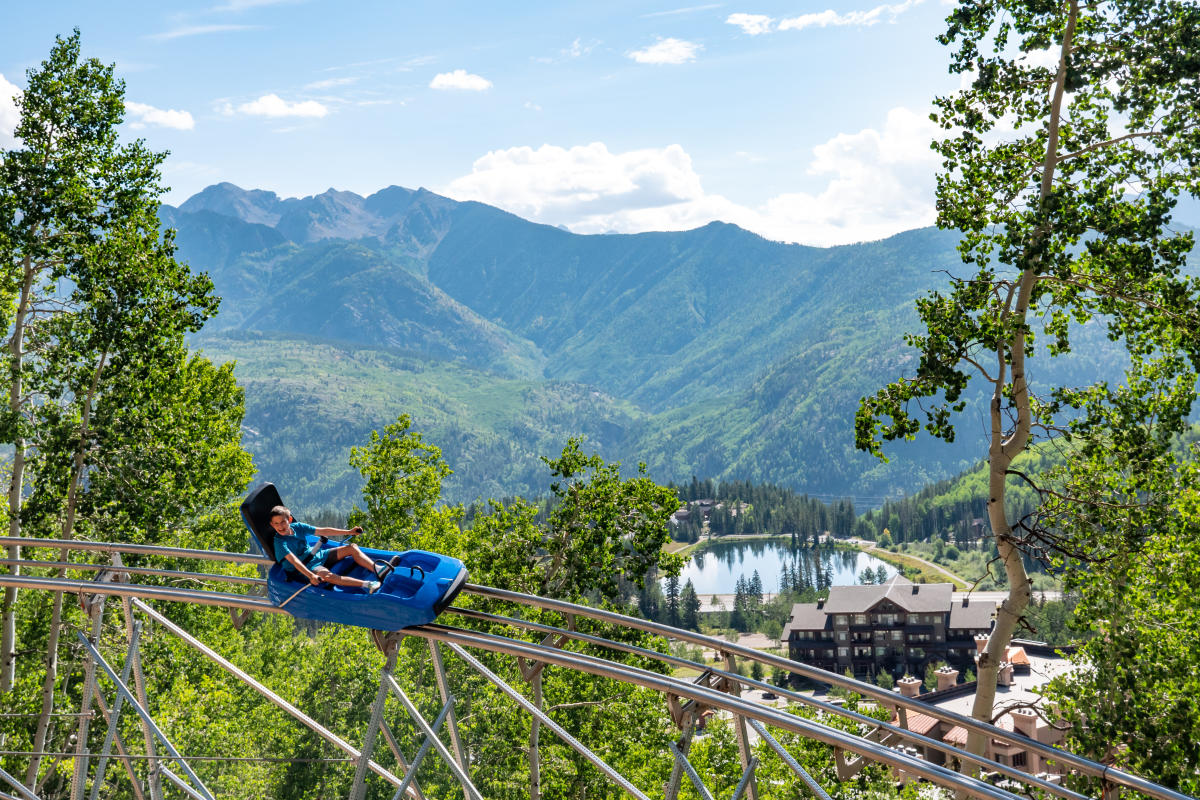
point(881, 651)
point(843, 652)
point(860, 619)
point(896, 636)
point(1018, 759)
point(841, 636)
point(839, 619)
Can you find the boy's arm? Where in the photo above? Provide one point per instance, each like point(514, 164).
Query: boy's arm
point(311, 576)
point(355, 531)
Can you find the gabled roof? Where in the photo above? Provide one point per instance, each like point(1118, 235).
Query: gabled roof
point(972, 614)
point(806, 617)
point(918, 597)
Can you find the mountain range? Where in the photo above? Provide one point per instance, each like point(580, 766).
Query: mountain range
point(711, 352)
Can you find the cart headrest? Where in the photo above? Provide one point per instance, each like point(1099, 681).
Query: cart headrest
point(256, 513)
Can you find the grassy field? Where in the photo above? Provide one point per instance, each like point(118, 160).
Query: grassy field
point(924, 574)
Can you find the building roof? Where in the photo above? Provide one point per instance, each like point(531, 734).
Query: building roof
point(972, 614)
point(806, 617)
point(917, 722)
point(1016, 656)
point(918, 597)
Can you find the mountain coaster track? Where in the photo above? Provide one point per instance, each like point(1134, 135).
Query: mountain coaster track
point(718, 689)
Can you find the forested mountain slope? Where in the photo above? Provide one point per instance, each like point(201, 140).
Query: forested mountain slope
point(712, 352)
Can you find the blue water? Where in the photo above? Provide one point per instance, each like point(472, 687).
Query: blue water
point(716, 569)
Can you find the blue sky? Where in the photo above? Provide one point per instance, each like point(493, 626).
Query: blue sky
point(803, 121)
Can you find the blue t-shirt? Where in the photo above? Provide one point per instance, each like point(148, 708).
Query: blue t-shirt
point(295, 544)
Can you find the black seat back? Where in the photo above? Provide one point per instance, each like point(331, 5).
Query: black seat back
point(256, 513)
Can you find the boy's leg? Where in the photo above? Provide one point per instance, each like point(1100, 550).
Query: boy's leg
point(339, 580)
point(353, 551)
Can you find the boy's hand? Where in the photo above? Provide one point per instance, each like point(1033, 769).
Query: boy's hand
point(314, 578)
point(356, 530)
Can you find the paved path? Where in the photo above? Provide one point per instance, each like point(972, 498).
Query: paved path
point(724, 601)
point(870, 548)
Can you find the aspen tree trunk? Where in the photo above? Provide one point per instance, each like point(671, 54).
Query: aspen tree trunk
point(1004, 449)
point(8, 615)
point(67, 531)
point(535, 758)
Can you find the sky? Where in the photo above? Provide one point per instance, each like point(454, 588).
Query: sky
point(803, 121)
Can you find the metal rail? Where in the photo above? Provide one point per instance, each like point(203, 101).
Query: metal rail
point(757, 714)
point(1083, 765)
point(159, 573)
point(828, 708)
point(716, 699)
point(139, 549)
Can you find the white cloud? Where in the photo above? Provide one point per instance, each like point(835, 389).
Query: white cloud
point(880, 182)
point(829, 17)
point(580, 182)
point(329, 83)
point(577, 49)
point(875, 183)
point(9, 116)
point(667, 51)
point(753, 24)
point(242, 5)
point(142, 115)
point(272, 105)
point(199, 30)
point(532, 106)
point(677, 11)
point(460, 79)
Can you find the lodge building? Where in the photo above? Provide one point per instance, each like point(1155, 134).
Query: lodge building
point(898, 627)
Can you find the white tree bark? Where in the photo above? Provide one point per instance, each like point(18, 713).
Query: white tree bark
point(16, 348)
point(1007, 445)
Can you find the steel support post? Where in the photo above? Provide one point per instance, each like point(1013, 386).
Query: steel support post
point(431, 735)
point(21, 790)
point(257, 686)
point(79, 771)
point(743, 735)
point(682, 761)
point(358, 789)
point(559, 731)
point(145, 715)
point(135, 783)
point(684, 747)
point(102, 765)
point(809, 781)
point(181, 784)
point(443, 683)
point(153, 780)
point(747, 778)
point(390, 738)
point(411, 774)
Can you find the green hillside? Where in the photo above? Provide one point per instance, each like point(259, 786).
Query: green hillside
point(309, 402)
point(733, 357)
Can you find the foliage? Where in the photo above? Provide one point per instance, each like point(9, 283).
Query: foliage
point(1133, 700)
point(111, 429)
point(1062, 180)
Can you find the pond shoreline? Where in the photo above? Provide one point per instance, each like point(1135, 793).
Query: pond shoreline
point(715, 563)
point(687, 550)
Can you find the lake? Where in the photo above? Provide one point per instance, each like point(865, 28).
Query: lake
point(715, 569)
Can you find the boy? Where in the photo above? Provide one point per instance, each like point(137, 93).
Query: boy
point(292, 550)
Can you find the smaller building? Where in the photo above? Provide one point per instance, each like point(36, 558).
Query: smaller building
point(898, 627)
